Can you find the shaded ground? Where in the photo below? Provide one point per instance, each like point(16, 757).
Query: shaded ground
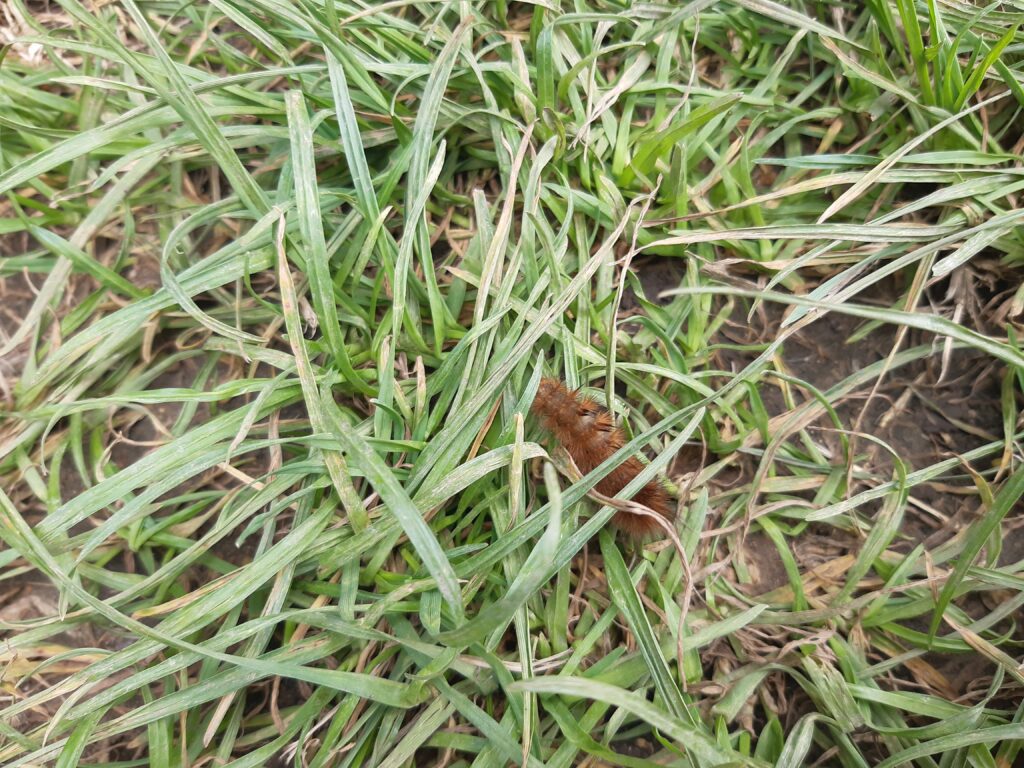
point(926, 412)
point(17, 292)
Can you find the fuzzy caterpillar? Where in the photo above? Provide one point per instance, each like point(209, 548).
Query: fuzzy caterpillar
point(589, 434)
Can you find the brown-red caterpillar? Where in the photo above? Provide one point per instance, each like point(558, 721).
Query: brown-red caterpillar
point(589, 434)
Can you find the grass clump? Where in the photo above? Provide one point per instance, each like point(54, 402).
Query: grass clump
point(280, 281)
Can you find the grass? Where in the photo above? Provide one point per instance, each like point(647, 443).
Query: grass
point(280, 280)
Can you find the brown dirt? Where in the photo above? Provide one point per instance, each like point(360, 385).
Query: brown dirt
point(16, 296)
point(927, 412)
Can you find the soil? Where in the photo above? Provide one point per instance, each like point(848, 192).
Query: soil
point(926, 412)
point(16, 295)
